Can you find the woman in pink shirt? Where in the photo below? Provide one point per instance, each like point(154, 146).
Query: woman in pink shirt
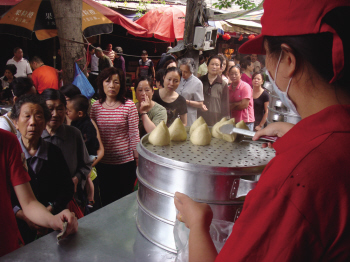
point(247, 68)
point(117, 120)
point(241, 99)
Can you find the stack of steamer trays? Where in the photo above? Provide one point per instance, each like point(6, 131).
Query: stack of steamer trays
point(218, 174)
point(277, 111)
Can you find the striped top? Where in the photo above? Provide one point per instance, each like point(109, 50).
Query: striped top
point(119, 131)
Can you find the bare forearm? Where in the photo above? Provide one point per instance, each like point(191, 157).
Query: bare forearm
point(195, 104)
point(201, 246)
point(147, 123)
point(38, 214)
point(263, 120)
point(240, 105)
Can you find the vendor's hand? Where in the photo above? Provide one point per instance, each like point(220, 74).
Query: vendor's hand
point(65, 216)
point(75, 182)
point(145, 106)
point(257, 128)
point(278, 129)
point(204, 108)
point(192, 213)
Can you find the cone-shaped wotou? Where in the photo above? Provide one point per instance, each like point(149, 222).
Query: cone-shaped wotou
point(197, 123)
point(215, 129)
point(227, 137)
point(242, 125)
point(177, 131)
point(160, 136)
point(201, 135)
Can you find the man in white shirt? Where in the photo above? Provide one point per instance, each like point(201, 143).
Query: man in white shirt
point(22, 64)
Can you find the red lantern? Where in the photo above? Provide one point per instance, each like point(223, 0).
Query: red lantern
point(240, 38)
point(251, 37)
point(226, 37)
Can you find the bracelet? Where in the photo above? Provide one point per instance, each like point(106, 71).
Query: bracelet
point(143, 114)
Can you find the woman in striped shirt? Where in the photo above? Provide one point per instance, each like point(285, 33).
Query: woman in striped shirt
point(117, 120)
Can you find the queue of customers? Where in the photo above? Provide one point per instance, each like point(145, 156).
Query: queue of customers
point(83, 157)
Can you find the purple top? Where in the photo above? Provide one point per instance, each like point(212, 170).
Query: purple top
point(120, 63)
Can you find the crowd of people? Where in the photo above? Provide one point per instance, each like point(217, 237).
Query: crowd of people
point(81, 155)
point(299, 211)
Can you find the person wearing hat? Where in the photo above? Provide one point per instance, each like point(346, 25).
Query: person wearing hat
point(299, 210)
point(103, 60)
point(146, 66)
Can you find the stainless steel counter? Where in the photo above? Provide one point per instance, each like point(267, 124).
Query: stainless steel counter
point(109, 234)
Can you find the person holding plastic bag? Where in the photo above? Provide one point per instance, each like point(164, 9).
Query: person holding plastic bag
point(299, 210)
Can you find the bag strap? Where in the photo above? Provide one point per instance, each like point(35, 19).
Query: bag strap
point(13, 129)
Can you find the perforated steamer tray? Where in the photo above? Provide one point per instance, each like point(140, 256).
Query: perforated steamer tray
point(205, 173)
point(219, 153)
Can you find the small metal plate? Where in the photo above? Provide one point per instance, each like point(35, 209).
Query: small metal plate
point(219, 153)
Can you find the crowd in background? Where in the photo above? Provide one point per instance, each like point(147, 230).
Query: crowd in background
point(80, 153)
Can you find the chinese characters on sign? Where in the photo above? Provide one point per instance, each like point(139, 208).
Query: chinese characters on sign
point(89, 15)
point(22, 16)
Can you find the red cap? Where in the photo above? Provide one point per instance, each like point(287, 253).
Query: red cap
point(298, 17)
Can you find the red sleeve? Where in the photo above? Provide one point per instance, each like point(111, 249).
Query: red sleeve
point(17, 165)
point(246, 91)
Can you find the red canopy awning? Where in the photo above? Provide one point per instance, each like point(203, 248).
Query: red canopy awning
point(119, 19)
point(112, 15)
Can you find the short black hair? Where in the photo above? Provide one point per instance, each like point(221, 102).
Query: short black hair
point(36, 59)
point(173, 69)
point(34, 99)
point(21, 85)
point(12, 68)
point(16, 49)
point(80, 103)
point(70, 90)
point(144, 78)
point(160, 76)
point(53, 94)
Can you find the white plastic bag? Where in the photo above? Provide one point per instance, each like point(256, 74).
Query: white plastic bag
point(219, 231)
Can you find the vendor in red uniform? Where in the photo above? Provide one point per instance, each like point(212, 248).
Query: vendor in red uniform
point(14, 174)
point(300, 208)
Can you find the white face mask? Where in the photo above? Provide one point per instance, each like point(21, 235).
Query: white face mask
point(282, 95)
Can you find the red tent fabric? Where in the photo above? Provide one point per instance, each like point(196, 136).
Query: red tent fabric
point(132, 27)
point(112, 15)
point(164, 23)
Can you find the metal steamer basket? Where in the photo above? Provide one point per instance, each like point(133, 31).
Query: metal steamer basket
point(277, 111)
point(219, 174)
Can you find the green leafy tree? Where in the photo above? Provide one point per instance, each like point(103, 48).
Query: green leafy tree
point(245, 4)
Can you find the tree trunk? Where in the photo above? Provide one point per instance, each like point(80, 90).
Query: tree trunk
point(190, 22)
point(68, 16)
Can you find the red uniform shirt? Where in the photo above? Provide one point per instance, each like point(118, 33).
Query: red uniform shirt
point(45, 77)
point(300, 209)
point(12, 173)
